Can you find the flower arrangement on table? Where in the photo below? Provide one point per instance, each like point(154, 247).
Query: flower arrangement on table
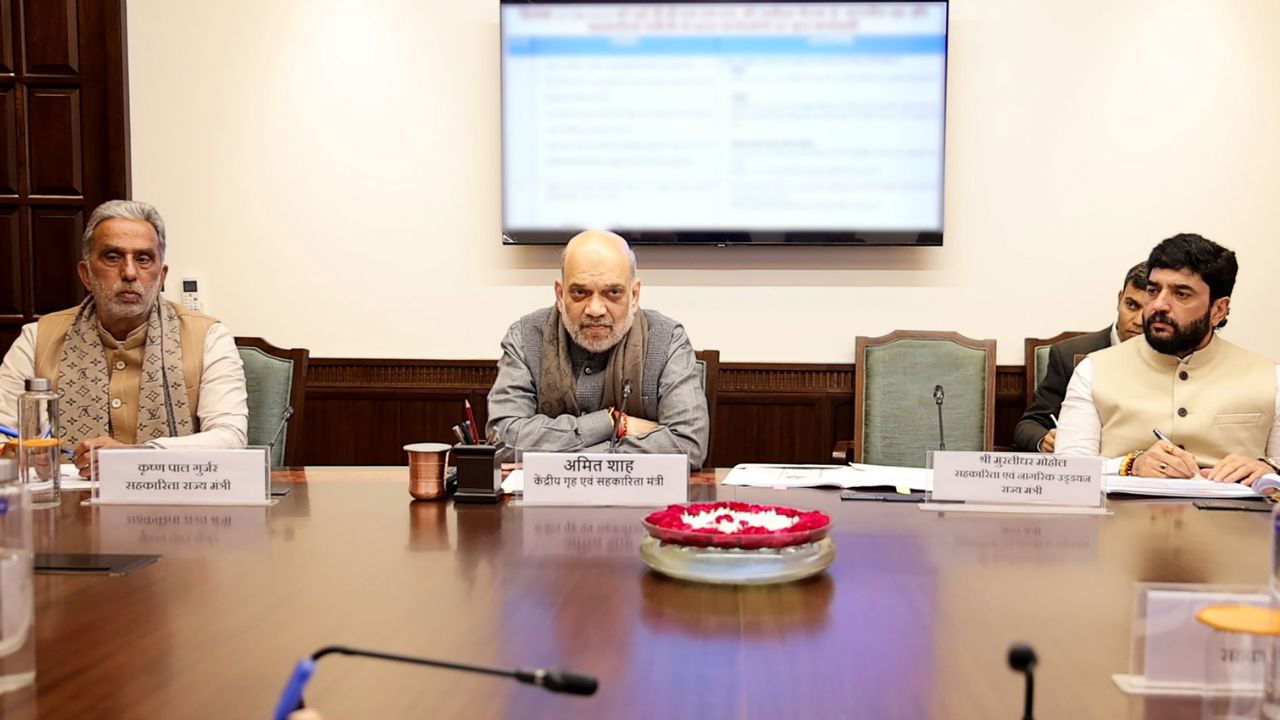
point(737, 525)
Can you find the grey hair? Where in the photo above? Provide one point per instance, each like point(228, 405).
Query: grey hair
point(122, 210)
point(631, 254)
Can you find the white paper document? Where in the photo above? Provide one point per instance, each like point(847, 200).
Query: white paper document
point(1177, 488)
point(513, 484)
point(841, 476)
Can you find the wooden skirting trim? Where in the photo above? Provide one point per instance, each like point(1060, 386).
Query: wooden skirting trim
point(360, 411)
point(378, 373)
point(808, 379)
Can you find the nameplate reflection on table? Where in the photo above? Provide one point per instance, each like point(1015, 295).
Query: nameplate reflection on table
point(181, 530)
point(1020, 539)
point(582, 532)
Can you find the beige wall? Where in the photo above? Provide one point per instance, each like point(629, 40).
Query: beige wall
point(330, 171)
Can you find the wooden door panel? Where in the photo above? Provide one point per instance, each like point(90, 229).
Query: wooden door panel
point(10, 262)
point(52, 37)
point(8, 142)
point(55, 250)
point(64, 145)
point(53, 126)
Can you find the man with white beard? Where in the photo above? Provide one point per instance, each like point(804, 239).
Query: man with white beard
point(596, 369)
point(132, 367)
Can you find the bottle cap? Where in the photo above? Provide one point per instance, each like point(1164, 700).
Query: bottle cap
point(39, 384)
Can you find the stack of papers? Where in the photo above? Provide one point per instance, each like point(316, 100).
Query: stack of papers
point(1176, 488)
point(842, 476)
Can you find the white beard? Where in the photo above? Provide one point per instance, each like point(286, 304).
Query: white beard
point(616, 333)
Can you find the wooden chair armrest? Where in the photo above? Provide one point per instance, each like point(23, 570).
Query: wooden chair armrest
point(843, 452)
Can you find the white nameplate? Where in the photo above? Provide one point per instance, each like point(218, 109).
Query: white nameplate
point(605, 479)
point(1180, 650)
point(128, 476)
point(1017, 478)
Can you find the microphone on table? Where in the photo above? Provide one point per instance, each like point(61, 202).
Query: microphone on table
point(626, 393)
point(1023, 659)
point(564, 681)
point(284, 420)
point(938, 396)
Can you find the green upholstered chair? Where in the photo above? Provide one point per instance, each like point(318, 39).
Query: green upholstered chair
point(895, 415)
point(708, 366)
point(276, 379)
point(1035, 353)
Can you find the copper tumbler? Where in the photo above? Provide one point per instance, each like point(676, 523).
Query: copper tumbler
point(427, 463)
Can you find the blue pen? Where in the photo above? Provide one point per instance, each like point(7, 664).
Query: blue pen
point(292, 694)
point(8, 431)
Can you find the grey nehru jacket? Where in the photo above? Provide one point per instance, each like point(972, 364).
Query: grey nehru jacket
point(670, 391)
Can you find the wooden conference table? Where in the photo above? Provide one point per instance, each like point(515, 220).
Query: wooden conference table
point(913, 619)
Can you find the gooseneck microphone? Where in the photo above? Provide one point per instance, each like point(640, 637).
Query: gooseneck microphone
point(564, 681)
point(284, 420)
point(622, 406)
point(1023, 659)
point(938, 396)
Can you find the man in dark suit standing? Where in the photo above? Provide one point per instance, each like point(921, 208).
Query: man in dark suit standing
point(1036, 431)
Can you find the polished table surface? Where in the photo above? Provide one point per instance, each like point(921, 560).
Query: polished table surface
point(912, 620)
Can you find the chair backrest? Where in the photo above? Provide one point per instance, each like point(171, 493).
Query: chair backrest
point(895, 415)
point(708, 366)
point(276, 378)
point(1035, 353)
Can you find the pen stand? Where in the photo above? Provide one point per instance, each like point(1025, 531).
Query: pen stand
point(479, 474)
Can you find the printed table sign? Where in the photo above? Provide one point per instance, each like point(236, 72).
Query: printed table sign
point(1017, 478)
point(605, 479)
point(129, 476)
point(1173, 653)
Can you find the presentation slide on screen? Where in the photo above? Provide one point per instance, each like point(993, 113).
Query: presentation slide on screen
point(753, 116)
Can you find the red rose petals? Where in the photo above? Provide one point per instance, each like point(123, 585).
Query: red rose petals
point(669, 526)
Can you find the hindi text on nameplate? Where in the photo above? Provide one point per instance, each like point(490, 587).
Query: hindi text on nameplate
point(1017, 478)
point(605, 479)
point(128, 476)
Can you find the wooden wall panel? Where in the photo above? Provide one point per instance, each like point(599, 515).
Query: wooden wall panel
point(54, 144)
point(6, 38)
point(52, 33)
point(363, 411)
point(11, 285)
point(55, 250)
point(9, 141)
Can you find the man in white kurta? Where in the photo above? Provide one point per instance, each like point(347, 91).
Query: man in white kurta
point(133, 368)
point(1217, 404)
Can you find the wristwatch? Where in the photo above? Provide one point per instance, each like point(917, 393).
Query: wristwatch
point(1274, 462)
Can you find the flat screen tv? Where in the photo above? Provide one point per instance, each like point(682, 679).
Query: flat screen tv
point(719, 123)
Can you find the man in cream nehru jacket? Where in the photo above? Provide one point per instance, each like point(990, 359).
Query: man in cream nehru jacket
point(132, 367)
point(595, 366)
point(1217, 403)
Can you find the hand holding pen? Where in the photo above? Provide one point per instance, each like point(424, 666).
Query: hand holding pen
point(1165, 459)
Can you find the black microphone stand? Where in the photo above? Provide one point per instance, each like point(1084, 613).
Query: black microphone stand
point(1023, 659)
point(284, 420)
point(626, 393)
point(937, 398)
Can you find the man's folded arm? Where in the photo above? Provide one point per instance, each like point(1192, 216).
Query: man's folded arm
point(224, 402)
point(682, 408)
point(513, 410)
